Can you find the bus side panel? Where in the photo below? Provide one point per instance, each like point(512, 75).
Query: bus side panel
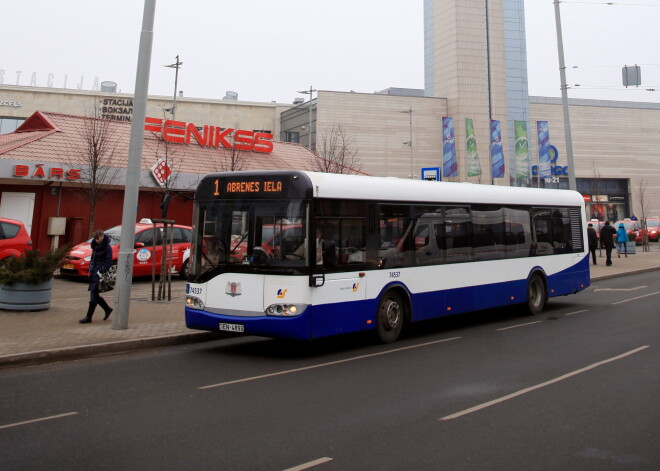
point(570, 280)
point(343, 318)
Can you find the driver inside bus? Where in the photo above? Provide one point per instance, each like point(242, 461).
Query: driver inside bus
point(301, 252)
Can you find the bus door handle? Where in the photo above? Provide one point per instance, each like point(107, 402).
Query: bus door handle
point(317, 280)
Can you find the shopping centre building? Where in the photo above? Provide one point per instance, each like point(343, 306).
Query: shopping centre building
point(475, 103)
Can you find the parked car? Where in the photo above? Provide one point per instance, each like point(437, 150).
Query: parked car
point(652, 229)
point(145, 251)
point(14, 238)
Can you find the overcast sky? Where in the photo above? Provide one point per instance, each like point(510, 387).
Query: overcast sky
point(266, 50)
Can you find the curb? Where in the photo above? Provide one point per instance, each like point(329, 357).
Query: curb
point(616, 275)
point(100, 349)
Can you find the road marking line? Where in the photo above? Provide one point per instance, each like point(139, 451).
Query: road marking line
point(576, 312)
point(620, 289)
point(638, 297)
point(311, 464)
point(37, 420)
point(542, 385)
point(519, 325)
point(296, 370)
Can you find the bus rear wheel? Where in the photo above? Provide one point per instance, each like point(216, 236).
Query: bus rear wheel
point(537, 297)
point(390, 317)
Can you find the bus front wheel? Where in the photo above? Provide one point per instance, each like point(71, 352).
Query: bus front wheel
point(389, 321)
point(537, 297)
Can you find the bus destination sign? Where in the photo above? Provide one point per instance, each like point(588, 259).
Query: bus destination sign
point(254, 186)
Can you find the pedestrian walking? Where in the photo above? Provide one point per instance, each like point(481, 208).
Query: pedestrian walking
point(621, 239)
point(100, 263)
point(593, 241)
point(607, 240)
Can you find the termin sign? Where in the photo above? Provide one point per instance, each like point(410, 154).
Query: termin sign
point(51, 173)
point(211, 136)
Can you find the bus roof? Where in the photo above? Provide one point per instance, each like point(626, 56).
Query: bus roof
point(331, 185)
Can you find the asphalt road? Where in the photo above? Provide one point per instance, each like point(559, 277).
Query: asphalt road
point(574, 388)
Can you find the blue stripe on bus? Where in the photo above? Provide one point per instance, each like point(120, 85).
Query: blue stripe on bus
point(340, 318)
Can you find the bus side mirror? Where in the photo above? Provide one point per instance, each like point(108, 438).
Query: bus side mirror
point(317, 280)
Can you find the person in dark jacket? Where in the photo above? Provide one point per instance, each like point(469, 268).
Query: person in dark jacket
point(593, 241)
point(100, 263)
point(607, 239)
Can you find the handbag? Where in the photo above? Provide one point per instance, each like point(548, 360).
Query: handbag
point(106, 282)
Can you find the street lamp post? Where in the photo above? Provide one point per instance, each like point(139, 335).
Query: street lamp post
point(564, 101)
point(309, 92)
point(409, 143)
point(175, 66)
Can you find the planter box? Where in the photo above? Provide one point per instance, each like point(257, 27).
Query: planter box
point(631, 247)
point(24, 297)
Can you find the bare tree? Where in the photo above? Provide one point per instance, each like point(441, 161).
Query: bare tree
point(94, 153)
point(233, 160)
point(643, 212)
point(336, 152)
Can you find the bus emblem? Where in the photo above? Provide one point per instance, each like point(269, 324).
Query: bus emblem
point(356, 286)
point(233, 289)
point(281, 293)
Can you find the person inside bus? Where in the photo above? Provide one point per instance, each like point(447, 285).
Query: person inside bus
point(301, 252)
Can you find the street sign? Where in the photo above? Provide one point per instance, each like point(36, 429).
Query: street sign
point(431, 173)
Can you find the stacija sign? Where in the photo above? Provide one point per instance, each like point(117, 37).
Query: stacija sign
point(211, 136)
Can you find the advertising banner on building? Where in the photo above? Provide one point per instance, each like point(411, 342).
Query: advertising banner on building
point(449, 164)
point(474, 169)
point(521, 147)
point(545, 170)
point(496, 154)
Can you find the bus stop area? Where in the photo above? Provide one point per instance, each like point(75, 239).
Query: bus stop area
point(35, 337)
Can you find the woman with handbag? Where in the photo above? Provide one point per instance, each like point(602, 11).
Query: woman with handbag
point(100, 263)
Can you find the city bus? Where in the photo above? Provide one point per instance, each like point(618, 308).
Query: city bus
point(304, 255)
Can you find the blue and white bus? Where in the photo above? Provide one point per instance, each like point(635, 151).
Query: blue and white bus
point(304, 255)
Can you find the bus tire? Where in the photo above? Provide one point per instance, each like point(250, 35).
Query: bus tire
point(390, 317)
point(537, 295)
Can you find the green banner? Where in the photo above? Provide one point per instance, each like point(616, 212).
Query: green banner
point(521, 149)
point(474, 169)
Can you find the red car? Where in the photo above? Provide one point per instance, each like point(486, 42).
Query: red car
point(14, 238)
point(78, 260)
point(652, 229)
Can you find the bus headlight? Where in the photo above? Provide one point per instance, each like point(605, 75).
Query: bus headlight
point(194, 302)
point(285, 310)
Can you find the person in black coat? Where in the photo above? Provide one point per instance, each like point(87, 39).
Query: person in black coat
point(607, 239)
point(593, 241)
point(100, 263)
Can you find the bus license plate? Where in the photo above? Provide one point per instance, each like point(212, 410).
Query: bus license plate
point(231, 327)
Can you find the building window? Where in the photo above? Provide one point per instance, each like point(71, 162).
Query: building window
point(8, 125)
point(291, 136)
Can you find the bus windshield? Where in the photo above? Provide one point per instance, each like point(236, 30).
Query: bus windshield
point(248, 235)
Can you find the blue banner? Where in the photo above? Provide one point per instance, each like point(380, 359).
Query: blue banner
point(543, 132)
point(496, 153)
point(449, 164)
